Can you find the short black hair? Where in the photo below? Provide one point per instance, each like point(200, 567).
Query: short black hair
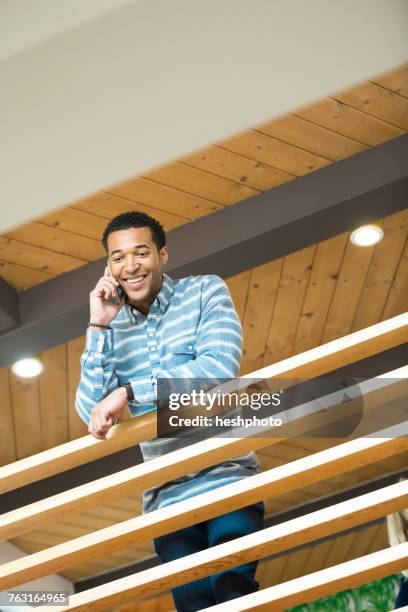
point(135, 218)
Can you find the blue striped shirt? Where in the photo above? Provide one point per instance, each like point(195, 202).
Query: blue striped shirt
point(191, 331)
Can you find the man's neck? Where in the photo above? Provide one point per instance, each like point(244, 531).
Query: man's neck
point(144, 307)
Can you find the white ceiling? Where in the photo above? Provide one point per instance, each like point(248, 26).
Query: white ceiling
point(116, 93)
point(26, 23)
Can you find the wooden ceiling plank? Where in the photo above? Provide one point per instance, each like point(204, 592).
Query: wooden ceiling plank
point(237, 168)
point(262, 294)
point(74, 349)
point(381, 272)
point(363, 544)
point(85, 571)
point(318, 554)
point(353, 273)
point(76, 222)
point(311, 137)
point(201, 183)
point(165, 198)
point(7, 441)
point(238, 288)
point(381, 539)
point(377, 102)
point(294, 564)
point(26, 411)
point(111, 514)
point(60, 241)
point(53, 397)
point(395, 80)
point(350, 122)
point(38, 258)
point(108, 205)
point(21, 277)
point(397, 300)
point(274, 153)
point(269, 570)
point(339, 549)
point(293, 283)
point(322, 283)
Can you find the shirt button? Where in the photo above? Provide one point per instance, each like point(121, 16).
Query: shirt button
point(190, 348)
point(152, 348)
point(151, 334)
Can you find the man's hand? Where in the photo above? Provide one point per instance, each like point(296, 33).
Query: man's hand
point(101, 310)
point(105, 412)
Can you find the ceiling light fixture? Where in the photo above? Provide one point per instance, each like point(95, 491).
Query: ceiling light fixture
point(27, 367)
point(367, 235)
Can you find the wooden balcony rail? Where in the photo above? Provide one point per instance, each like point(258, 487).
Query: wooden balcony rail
point(389, 440)
point(315, 362)
point(322, 583)
point(197, 456)
point(257, 545)
point(268, 484)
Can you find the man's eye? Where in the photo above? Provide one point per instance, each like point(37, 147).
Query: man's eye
point(143, 254)
point(116, 260)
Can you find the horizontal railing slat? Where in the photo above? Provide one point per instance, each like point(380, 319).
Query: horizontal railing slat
point(315, 362)
point(257, 545)
point(183, 461)
point(268, 484)
point(325, 582)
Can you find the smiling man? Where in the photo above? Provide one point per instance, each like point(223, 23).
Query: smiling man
point(164, 329)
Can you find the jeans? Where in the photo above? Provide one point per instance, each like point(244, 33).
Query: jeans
point(225, 585)
point(402, 598)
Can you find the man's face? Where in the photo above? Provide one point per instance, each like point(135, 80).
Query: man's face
point(137, 264)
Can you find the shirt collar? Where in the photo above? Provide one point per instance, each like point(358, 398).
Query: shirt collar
point(161, 301)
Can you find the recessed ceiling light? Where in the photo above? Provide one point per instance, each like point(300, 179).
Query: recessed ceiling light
point(367, 235)
point(28, 367)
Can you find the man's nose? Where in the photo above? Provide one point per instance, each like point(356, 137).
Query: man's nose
point(131, 264)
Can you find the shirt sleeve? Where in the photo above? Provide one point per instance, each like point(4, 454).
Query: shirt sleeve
point(98, 378)
point(218, 345)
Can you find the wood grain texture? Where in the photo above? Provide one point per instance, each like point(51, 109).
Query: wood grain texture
point(381, 272)
point(294, 279)
point(227, 164)
point(254, 546)
point(26, 413)
point(53, 397)
point(378, 102)
point(397, 300)
point(311, 137)
point(273, 152)
point(395, 80)
point(348, 121)
point(201, 183)
point(74, 350)
point(8, 452)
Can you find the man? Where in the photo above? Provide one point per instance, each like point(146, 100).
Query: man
point(184, 329)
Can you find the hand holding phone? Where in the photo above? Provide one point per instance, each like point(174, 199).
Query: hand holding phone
point(106, 299)
point(118, 295)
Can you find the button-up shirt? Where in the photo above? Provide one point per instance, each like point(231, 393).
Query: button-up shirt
point(191, 331)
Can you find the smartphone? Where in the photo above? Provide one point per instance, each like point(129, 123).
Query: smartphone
point(117, 298)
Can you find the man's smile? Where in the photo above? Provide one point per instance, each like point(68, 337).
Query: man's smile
point(135, 282)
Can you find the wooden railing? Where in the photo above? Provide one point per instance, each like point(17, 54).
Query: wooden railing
point(319, 466)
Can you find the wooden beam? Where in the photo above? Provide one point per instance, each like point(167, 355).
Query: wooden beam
point(317, 361)
point(196, 457)
point(325, 582)
point(261, 544)
point(268, 484)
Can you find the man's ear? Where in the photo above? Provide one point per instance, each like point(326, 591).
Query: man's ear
point(164, 255)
